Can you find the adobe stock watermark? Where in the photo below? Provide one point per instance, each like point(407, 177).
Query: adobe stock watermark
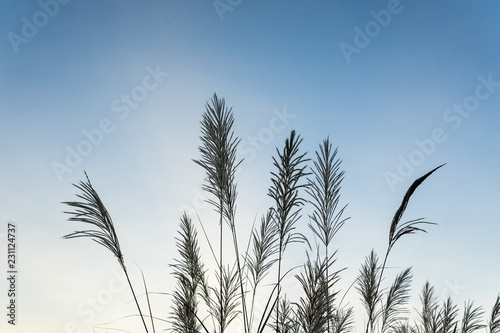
point(92, 305)
point(373, 28)
point(121, 108)
point(31, 25)
point(453, 289)
point(248, 150)
point(252, 144)
point(223, 6)
point(454, 118)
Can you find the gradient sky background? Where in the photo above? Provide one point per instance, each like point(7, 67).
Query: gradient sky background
point(264, 58)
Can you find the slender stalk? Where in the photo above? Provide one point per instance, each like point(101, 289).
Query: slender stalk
point(279, 286)
point(240, 276)
point(220, 266)
point(149, 303)
point(329, 306)
point(135, 298)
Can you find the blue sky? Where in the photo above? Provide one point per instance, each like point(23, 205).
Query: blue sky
point(422, 88)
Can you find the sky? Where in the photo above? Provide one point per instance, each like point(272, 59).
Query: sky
point(118, 88)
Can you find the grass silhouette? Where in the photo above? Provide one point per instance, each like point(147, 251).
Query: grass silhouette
point(198, 306)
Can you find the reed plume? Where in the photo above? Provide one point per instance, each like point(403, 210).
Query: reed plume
point(324, 189)
point(190, 275)
point(368, 288)
point(471, 320)
point(430, 309)
point(91, 211)
point(448, 315)
point(343, 320)
point(396, 298)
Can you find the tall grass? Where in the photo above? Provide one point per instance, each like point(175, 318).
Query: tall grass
point(327, 217)
point(286, 183)
point(91, 211)
point(218, 159)
point(246, 280)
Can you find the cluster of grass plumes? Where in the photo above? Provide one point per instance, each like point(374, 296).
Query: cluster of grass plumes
point(216, 301)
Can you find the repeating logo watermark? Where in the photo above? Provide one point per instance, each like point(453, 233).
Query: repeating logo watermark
point(253, 144)
point(31, 25)
point(121, 107)
point(12, 272)
point(94, 304)
point(453, 288)
point(373, 28)
point(223, 6)
point(454, 118)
